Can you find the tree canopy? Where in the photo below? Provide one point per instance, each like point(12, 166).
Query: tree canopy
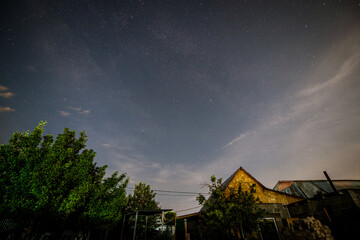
point(143, 198)
point(46, 181)
point(228, 212)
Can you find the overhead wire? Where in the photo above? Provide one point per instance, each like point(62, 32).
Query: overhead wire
point(168, 191)
point(183, 210)
point(175, 195)
point(180, 194)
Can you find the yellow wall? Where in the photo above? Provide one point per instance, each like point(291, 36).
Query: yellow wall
point(265, 195)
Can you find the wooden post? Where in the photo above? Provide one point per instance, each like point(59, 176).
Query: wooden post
point(162, 222)
point(261, 237)
point(136, 217)
point(242, 232)
point(146, 220)
point(185, 226)
point(122, 229)
point(106, 234)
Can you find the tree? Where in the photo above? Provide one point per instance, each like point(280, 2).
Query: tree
point(228, 212)
point(143, 198)
point(47, 183)
point(106, 202)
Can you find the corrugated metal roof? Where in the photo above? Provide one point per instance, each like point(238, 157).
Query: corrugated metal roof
point(324, 185)
point(310, 188)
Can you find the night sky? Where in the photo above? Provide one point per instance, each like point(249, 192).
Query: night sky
point(172, 92)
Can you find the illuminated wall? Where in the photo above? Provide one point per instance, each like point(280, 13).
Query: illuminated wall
point(265, 195)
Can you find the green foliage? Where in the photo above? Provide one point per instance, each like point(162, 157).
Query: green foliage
point(143, 198)
point(227, 211)
point(107, 201)
point(170, 218)
point(50, 182)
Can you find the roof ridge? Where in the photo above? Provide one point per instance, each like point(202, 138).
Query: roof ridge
point(259, 183)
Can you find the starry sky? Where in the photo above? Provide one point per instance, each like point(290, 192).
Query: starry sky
point(171, 92)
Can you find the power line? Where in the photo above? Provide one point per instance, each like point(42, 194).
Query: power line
point(175, 195)
point(188, 209)
point(167, 191)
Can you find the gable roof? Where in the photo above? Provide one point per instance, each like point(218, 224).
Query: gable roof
point(229, 180)
point(277, 196)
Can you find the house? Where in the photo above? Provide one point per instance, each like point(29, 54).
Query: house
point(272, 201)
point(294, 201)
point(266, 195)
point(339, 209)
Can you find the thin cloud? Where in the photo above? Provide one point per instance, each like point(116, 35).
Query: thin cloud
point(303, 132)
point(7, 94)
point(3, 88)
point(158, 175)
point(237, 139)
point(106, 145)
point(85, 112)
point(6, 109)
point(80, 110)
point(64, 113)
point(345, 69)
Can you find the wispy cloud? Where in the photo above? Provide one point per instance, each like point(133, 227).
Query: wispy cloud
point(85, 112)
point(106, 145)
point(163, 176)
point(64, 113)
point(5, 94)
point(310, 98)
point(237, 139)
point(313, 128)
point(6, 109)
point(125, 156)
point(3, 88)
point(346, 68)
point(80, 110)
